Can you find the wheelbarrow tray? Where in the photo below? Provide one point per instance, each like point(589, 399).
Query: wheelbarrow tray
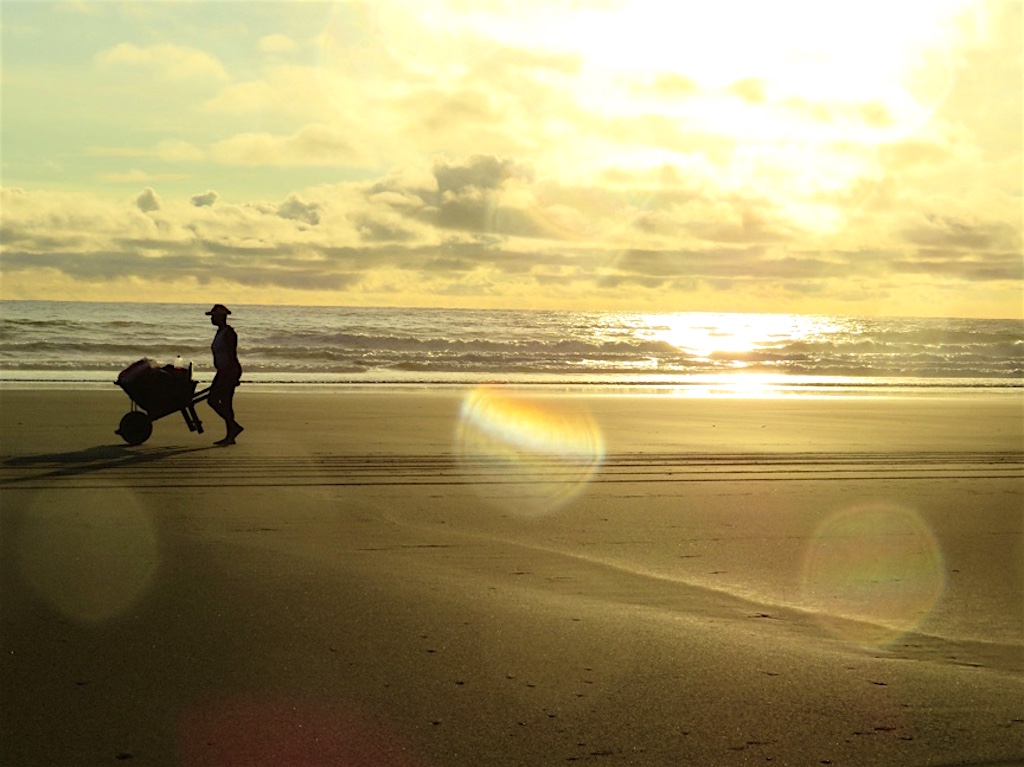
point(158, 392)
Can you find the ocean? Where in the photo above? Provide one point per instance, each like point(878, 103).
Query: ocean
point(74, 343)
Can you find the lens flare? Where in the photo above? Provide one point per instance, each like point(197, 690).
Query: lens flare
point(89, 559)
point(262, 731)
point(873, 573)
point(527, 456)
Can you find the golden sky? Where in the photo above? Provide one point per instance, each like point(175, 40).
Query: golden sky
point(787, 156)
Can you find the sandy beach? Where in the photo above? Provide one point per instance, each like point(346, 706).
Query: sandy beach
point(499, 577)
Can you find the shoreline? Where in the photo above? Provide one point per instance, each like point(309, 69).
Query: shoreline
point(735, 386)
point(506, 576)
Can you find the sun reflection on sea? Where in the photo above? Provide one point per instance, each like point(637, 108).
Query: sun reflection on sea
point(731, 336)
point(754, 355)
point(739, 386)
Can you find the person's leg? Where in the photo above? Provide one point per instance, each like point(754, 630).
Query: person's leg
point(228, 413)
point(216, 397)
point(221, 401)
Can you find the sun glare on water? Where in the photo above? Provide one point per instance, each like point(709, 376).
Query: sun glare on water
point(708, 335)
point(737, 343)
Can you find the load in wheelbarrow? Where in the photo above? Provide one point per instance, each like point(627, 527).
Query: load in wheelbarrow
point(156, 391)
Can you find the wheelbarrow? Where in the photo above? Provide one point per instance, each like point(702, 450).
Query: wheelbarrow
point(156, 391)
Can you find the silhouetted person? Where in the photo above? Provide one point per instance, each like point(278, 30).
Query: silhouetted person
point(229, 372)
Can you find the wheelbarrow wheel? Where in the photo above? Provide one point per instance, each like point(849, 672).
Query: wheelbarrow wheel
point(135, 427)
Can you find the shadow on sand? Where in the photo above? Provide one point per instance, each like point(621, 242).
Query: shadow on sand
point(81, 462)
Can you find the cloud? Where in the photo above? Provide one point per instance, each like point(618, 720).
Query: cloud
point(750, 89)
point(168, 150)
point(467, 192)
point(147, 201)
point(176, 150)
point(302, 93)
point(166, 61)
point(674, 85)
point(960, 267)
point(548, 151)
point(974, 235)
point(249, 97)
point(297, 210)
point(315, 145)
point(479, 172)
point(489, 228)
point(501, 196)
point(136, 176)
point(205, 200)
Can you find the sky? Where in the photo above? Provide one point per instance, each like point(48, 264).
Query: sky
point(842, 157)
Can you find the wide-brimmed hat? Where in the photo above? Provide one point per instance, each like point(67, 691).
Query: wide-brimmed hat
point(219, 309)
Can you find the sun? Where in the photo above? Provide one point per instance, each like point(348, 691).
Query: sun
point(844, 51)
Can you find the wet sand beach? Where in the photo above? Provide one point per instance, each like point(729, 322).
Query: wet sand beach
point(503, 577)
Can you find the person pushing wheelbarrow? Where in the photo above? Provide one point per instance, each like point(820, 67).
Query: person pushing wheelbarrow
point(229, 373)
point(156, 391)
